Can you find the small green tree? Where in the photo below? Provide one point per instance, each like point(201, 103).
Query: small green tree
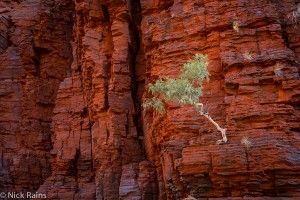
point(185, 90)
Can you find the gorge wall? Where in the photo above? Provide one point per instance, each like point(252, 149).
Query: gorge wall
point(74, 73)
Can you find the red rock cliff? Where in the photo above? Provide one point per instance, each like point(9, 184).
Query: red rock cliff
point(74, 74)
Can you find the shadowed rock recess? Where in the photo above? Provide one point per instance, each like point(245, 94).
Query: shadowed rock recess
point(74, 73)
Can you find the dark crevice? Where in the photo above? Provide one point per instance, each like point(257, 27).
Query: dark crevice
point(38, 53)
point(108, 53)
point(4, 36)
point(84, 113)
point(107, 135)
point(135, 12)
point(106, 17)
point(74, 171)
point(285, 35)
point(165, 5)
point(106, 84)
point(80, 22)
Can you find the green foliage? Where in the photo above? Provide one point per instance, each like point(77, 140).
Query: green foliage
point(185, 90)
point(196, 69)
point(154, 103)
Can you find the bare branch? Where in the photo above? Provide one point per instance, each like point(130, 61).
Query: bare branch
point(222, 130)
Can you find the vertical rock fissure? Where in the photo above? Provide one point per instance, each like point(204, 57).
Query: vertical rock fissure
point(108, 65)
point(6, 24)
point(134, 7)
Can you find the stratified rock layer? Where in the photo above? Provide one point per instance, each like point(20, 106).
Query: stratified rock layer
point(97, 148)
point(253, 91)
point(35, 56)
point(73, 75)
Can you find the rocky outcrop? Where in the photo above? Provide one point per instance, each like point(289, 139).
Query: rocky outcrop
point(97, 147)
point(35, 56)
point(253, 91)
point(74, 75)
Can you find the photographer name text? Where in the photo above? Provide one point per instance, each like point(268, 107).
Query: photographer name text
point(23, 195)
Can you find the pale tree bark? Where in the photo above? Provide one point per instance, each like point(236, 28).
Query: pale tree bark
point(222, 130)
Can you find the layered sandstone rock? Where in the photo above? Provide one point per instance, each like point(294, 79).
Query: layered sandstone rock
point(97, 148)
point(253, 92)
point(74, 74)
point(35, 56)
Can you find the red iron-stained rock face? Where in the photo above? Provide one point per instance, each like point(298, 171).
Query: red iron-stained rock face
point(35, 56)
point(73, 76)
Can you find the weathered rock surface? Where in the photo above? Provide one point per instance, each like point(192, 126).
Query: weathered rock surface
point(73, 75)
point(254, 96)
point(97, 152)
point(35, 56)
